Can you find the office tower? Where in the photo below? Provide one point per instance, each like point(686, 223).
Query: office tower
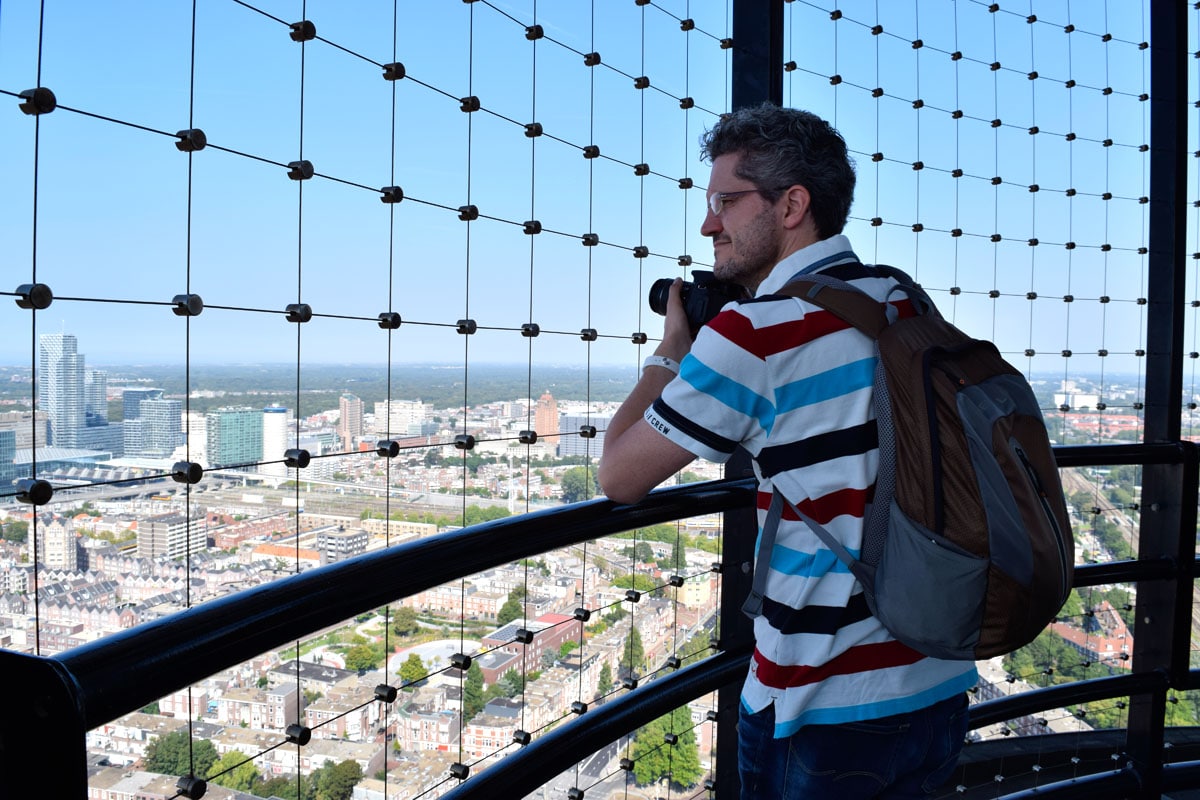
point(103, 437)
point(195, 436)
point(95, 397)
point(234, 436)
point(350, 423)
point(133, 436)
point(170, 536)
point(545, 419)
point(131, 399)
point(275, 439)
point(29, 427)
point(8, 453)
point(572, 444)
point(60, 387)
point(161, 423)
point(401, 417)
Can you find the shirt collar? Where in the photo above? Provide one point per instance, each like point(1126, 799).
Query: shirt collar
point(818, 255)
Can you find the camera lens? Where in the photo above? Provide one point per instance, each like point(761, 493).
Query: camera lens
point(660, 291)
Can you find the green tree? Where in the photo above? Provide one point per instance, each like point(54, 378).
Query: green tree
point(413, 669)
point(604, 683)
point(678, 554)
point(362, 657)
point(512, 608)
point(642, 552)
point(654, 760)
point(633, 656)
point(511, 683)
point(15, 531)
point(616, 615)
point(235, 770)
point(337, 781)
point(404, 622)
point(175, 754)
point(635, 580)
point(567, 646)
point(1073, 608)
point(292, 788)
point(1120, 496)
point(473, 699)
point(579, 484)
point(477, 514)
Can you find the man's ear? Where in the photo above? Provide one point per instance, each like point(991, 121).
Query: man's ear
point(797, 206)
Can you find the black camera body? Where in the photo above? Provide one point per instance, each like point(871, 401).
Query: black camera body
point(702, 298)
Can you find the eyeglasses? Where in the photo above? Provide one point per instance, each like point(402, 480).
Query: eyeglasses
point(717, 200)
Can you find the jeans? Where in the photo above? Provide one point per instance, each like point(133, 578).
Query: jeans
point(902, 756)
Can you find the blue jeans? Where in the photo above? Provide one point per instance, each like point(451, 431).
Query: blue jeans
point(902, 756)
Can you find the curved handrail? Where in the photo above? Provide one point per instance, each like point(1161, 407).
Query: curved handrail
point(125, 671)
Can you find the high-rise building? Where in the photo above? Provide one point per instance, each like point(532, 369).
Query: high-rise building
point(133, 436)
point(162, 426)
point(29, 427)
point(402, 417)
point(103, 437)
point(60, 387)
point(276, 438)
point(195, 436)
point(132, 398)
point(170, 536)
point(573, 444)
point(545, 419)
point(350, 423)
point(95, 397)
point(234, 436)
point(8, 453)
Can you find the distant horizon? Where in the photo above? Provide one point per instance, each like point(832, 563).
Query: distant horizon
point(540, 365)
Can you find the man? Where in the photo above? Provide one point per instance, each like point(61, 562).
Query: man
point(833, 706)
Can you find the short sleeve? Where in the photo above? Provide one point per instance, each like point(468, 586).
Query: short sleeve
point(720, 398)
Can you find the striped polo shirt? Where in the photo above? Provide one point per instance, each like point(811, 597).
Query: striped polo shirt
point(792, 384)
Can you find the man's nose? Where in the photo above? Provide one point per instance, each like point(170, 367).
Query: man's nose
point(711, 225)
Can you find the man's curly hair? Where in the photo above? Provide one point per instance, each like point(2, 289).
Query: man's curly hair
point(783, 147)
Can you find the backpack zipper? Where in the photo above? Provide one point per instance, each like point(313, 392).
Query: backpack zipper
point(1058, 534)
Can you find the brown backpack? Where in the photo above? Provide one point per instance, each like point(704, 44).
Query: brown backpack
point(967, 547)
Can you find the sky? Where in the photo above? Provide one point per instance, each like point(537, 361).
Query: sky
point(99, 204)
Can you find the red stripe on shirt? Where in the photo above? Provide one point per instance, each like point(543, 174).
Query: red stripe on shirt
point(864, 658)
point(773, 339)
point(825, 508)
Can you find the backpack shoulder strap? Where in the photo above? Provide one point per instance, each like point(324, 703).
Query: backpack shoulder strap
point(854, 306)
point(844, 300)
point(752, 607)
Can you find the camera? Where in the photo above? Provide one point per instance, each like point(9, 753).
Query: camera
point(702, 298)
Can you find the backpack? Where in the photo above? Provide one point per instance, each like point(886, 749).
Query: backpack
point(967, 548)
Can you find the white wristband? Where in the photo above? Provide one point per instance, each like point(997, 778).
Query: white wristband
point(661, 361)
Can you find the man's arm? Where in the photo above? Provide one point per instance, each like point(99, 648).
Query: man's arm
point(636, 457)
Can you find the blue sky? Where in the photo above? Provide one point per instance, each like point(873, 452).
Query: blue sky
point(113, 216)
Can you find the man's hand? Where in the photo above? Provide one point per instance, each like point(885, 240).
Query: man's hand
point(677, 334)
